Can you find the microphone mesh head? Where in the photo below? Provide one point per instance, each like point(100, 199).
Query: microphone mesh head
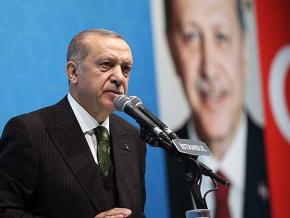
point(135, 100)
point(121, 101)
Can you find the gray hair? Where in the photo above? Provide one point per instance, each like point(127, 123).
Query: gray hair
point(78, 50)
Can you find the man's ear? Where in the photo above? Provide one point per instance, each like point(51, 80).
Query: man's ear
point(72, 72)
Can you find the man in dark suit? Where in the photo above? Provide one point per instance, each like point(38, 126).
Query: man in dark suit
point(256, 201)
point(50, 160)
point(207, 43)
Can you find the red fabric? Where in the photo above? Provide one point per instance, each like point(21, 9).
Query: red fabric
point(274, 41)
point(221, 199)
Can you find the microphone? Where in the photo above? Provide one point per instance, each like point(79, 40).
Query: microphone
point(123, 103)
point(136, 102)
point(193, 148)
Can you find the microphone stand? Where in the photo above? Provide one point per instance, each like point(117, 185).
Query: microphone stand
point(193, 177)
point(194, 169)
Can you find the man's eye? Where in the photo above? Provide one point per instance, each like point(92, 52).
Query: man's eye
point(106, 65)
point(221, 37)
point(191, 36)
point(126, 70)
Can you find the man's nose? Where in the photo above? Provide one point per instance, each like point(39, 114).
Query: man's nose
point(208, 59)
point(117, 76)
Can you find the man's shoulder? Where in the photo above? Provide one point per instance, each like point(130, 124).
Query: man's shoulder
point(253, 125)
point(37, 115)
point(255, 132)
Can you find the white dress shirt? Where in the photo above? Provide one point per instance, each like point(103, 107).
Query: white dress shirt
point(233, 166)
point(87, 124)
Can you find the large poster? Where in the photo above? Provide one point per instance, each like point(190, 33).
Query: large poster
point(226, 64)
point(208, 68)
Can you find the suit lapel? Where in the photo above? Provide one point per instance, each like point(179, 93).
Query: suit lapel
point(70, 141)
point(256, 195)
point(121, 154)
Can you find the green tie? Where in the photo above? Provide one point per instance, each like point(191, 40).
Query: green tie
point(103, 149)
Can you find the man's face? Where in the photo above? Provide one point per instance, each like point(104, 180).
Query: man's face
point(102, 75)
point(207, 47)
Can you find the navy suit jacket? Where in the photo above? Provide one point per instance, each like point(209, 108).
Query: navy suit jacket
point(256, 205)
point(47, 169)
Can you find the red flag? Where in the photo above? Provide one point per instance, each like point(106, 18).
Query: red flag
point(273, 23)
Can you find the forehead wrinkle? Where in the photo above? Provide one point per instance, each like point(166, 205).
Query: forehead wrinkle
point(100, 48)
point(107, 53)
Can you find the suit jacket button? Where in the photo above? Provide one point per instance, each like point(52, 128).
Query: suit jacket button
point(127, 147)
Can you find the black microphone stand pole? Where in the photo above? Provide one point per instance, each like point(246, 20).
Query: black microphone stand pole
point(194, 169)
point(193, 177)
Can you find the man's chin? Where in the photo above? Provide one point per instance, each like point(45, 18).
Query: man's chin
point(212, 129)
point(108, 100)
point(215, 136)
point(110, 108)
point(108, 105)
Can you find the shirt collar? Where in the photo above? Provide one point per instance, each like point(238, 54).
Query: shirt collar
point(86, 121)
point(233, 163)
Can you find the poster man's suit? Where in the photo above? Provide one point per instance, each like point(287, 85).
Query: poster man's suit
point(256, 204)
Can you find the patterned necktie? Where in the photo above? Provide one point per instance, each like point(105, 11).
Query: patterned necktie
point(103, 149)
point(221, 199)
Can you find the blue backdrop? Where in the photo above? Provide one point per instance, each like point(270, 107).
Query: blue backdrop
point(34, 35)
